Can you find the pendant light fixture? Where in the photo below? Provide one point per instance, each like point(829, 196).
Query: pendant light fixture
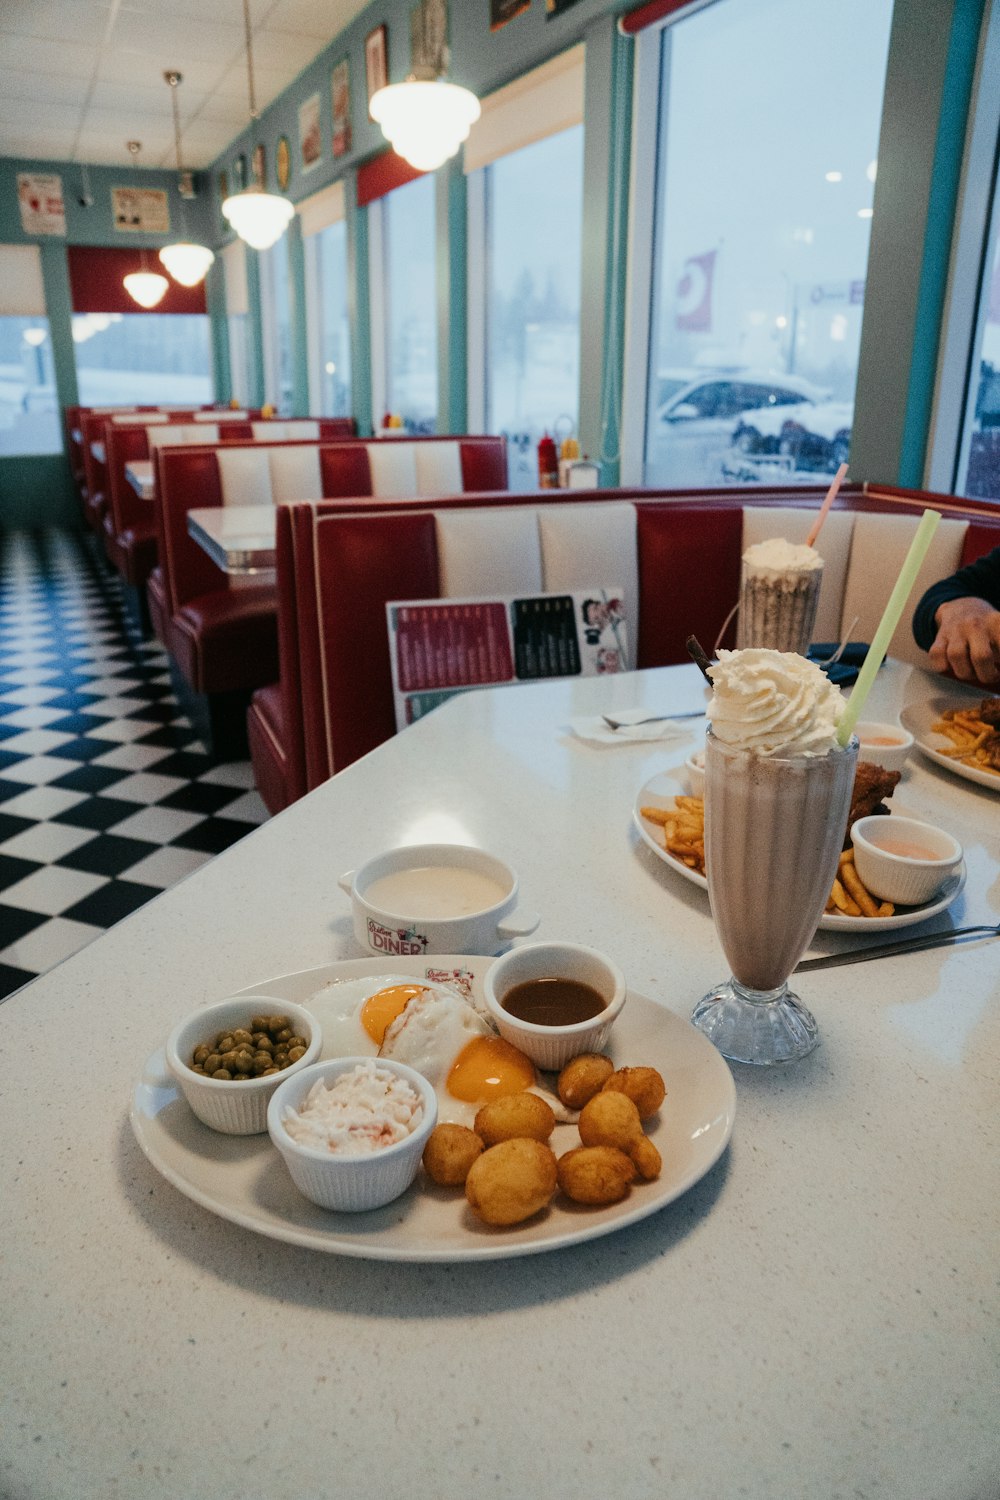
point(144, 286)
point(187, 262)
point(259, 218)
point(425, 119)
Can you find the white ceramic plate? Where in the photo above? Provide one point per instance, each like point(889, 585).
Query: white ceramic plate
point(920, 717)
point(661, 792)
point(243, 1178)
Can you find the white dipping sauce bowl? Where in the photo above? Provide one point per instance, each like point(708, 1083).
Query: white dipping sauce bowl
point(228, 1105)
point(350, 1184)
point(899, 877)
point(891, 757)
point(694, 768)
point(551, 1047)
point(401, 921)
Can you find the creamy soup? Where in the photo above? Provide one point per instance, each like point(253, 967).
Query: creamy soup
point(435, 891)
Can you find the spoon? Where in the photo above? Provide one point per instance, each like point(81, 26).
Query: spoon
point(691, 713)
point(891, 950)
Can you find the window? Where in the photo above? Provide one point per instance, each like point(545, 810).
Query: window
point(410, 289)
point(142, 357)
point(979, 460)
point(533, 219)
point(524, 166)
point(328, 329)
point(234, 264)
point(29, 410)
point(760, 232)
point(276, 321)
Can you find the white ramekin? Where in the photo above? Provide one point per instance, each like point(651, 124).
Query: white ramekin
point(694, 768)
point(551, 1047)
point(350, 1184)
point(890, 757)
point(235, 1108)
point(898, 877)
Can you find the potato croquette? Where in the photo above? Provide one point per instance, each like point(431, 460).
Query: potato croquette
point(511, 1182)
point(612, 1119)
point(595, 1174)
point(643, 1086)
point(582, 1078)
point(449, 1153)
point(515, 1115)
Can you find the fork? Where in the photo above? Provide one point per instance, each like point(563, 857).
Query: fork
point(893, 950)
point(691, 713)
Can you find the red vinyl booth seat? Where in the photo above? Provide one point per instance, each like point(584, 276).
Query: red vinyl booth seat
point(339, 565)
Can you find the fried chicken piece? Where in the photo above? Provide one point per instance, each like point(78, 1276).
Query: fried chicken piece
point(871, 785)
point(989, 712)
point(990, 749)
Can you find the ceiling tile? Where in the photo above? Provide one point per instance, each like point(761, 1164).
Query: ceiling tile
point(40, 88)
point(45, 57)
point(161, 35)
point(45, 144)
point(81, 21)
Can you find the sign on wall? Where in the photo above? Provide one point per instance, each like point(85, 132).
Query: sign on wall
point(310, 140)
point(340, 96)
point(142, 210)
point(40, 199)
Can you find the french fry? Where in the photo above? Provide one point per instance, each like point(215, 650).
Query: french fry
point(843, 901)
point(852, 884)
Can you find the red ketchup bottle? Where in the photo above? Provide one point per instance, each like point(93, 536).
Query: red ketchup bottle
point(548, 464)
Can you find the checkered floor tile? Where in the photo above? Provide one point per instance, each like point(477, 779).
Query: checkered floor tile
point(106, 793)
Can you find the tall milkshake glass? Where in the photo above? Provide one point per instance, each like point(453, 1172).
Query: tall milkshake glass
point(779, 595)
point(774, 828)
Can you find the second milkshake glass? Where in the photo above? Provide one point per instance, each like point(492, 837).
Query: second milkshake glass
point(774, 828)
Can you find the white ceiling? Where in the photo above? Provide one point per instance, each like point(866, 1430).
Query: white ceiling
point(78, 78)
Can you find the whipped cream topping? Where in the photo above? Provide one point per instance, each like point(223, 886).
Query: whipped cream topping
point(360, 1112)
point(777, 559)
point(773, 703)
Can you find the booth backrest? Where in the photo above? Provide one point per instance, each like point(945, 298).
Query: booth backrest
point(678, 560)
point(262, 473)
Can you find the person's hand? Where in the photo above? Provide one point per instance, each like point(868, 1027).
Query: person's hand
point(968, 640)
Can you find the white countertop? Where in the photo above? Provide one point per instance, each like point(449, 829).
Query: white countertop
point(817, 1318)
point(139, 473)
point(239, 539)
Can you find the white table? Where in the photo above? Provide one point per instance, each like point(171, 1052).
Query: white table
point(817, 1318)
point(240, 539)
point(139, 473)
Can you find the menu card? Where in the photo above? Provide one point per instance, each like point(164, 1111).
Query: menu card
point(440, 647)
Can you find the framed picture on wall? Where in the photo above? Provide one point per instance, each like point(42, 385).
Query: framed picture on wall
point(376, 61)
point(283, 163)
point(240, 173)
point(310, 140)
point(259, 164)
point(502, 11)
point(340, 96)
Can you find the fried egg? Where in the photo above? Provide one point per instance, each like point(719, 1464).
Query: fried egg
point(431, 1029)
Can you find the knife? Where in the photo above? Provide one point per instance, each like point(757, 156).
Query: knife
point(892, 950)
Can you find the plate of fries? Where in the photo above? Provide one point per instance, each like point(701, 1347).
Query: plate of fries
point(949, 731)
point(673, 826)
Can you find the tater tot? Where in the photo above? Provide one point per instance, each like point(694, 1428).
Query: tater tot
point(582, 1078)
point(612, 1119)
point(515, 1115)
point(511, 1181)
point(644, 1086)
point(449, 1153)
point(595, 1174)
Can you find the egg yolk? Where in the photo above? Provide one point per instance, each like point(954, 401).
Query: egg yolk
point(381, 1009)
point(488, 1068)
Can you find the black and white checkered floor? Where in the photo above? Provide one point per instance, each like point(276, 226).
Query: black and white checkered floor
point(106, 794)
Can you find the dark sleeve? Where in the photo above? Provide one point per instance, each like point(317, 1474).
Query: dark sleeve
point(980, 580)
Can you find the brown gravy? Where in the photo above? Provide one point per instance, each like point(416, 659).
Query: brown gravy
point(553, 1002)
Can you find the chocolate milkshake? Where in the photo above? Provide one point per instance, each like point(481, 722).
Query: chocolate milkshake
point(777, 796)
point(779, 592)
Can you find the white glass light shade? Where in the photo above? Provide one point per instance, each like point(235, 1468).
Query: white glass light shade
point(146, 287)
point(187, 263)
point(425, 121)
point(34, 336)
point(258, 218)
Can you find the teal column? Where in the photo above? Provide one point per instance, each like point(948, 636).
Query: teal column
point(451, 241)
point(297, 297)
point(255, 330)
point(606, 137)
point(59, 307)
point(215, 302)
point(928, 91)
point(359, 308)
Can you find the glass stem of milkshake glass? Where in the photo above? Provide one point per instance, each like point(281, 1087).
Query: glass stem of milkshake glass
point(774, 829)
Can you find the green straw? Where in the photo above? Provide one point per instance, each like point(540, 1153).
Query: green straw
point(890, 619)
